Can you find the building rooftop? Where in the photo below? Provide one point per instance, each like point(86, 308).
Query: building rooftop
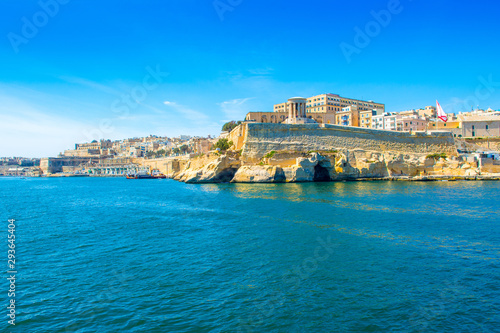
point(480, 117)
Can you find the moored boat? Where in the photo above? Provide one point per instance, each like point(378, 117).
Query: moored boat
point(143, 174)
point(157, 174)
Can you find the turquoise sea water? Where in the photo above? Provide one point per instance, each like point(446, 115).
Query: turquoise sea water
point(117, 255)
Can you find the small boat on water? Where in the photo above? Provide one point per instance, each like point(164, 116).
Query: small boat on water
point(157, 174)
point(143, 174)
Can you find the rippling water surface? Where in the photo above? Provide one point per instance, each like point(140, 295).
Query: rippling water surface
point(117, 255)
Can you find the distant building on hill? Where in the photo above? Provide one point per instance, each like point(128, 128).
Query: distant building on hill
point(90, 149)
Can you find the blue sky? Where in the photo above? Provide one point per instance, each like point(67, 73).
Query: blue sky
point(73, 70)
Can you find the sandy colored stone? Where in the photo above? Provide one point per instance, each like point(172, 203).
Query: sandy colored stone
point(259, 174)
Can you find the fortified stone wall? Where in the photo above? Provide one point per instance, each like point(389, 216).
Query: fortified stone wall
point(260, 138)
point(237, 136)
point(55, 164)
point(166, 165)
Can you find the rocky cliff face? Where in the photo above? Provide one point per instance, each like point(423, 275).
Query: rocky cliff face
point(270, 153)
point(325, 166)
point(217, 169)
point(259, 174)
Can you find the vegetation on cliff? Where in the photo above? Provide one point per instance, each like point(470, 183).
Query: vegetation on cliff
point(270, 154)
point(229, 126)
point(437, 156)
point(223, 144)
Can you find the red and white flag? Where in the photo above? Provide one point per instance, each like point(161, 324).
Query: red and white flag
point(440, 113)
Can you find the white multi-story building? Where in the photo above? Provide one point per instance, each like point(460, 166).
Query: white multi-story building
point(385, 121)
point(393, 121)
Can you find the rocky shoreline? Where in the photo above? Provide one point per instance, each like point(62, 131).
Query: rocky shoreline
point(341, 165)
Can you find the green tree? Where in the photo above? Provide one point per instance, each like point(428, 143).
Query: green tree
point(160, 153)
point(223, 144)
point(229, 126)
point(184, 148)
point(176, 150)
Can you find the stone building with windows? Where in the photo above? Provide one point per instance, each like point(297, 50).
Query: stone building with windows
point(411, 123)
point(474, 124)
point(91, 149)
point(321, 109)
point(348, 116)
point(480, 126)
point(385, 121)
point(331, 103)
point(366, 118)
point(427, 112)
point(266, 117)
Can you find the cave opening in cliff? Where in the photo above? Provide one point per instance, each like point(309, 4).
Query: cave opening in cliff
point(321, 174)
point(226, 175)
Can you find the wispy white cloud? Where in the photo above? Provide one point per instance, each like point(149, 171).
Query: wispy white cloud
point(190, 121)
point(108, 89)
point(188, 113)
point(235, 109)
point(28, 131)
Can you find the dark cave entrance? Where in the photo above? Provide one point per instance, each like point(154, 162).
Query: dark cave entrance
point(321, 174)
point(226, 175)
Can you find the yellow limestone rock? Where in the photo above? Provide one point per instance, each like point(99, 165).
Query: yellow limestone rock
point(218, 171)
point(259, 174)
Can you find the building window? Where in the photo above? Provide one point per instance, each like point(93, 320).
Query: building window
point(472, 126)
point(487, 127)
point(473, 133)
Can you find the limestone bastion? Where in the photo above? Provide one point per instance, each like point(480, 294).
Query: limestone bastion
point(269, 153)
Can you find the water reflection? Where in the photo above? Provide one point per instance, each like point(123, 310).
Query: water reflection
point(391, 197)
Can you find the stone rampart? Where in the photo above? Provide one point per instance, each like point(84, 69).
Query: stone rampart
point(166, 165)
point(261, 138)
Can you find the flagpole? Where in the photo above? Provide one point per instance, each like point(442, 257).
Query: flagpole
point(436, 119)
point(436, 116)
